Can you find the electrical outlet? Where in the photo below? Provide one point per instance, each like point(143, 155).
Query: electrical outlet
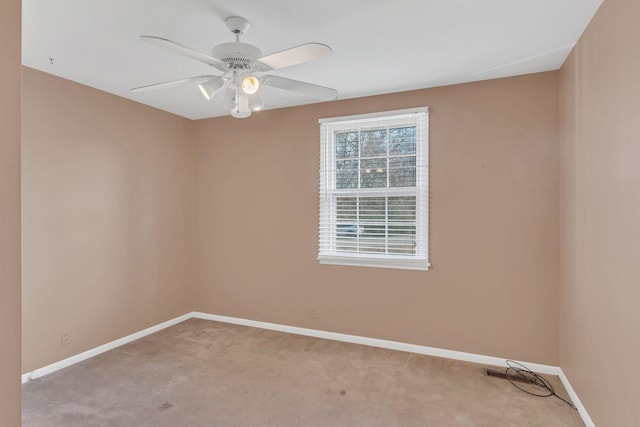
point(65, 338)
point(313, 313)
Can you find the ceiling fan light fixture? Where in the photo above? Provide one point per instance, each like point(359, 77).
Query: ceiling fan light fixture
point(250, 85)
point(241, 111)
point(236, 102)
point(255, 102)
point(211, 86)
point(230, 96)
point(239, 114)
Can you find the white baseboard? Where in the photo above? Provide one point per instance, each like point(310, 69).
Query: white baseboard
point(26, 377)
point(354, 339)
point(375, 342)
point(588, 422)
point(101, 349)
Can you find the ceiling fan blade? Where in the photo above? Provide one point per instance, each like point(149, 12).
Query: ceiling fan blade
point(314, 91)
point(170, 83)
point(295, 55)
point(186, 51)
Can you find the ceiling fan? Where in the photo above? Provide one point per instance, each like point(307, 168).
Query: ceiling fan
point(242, 65)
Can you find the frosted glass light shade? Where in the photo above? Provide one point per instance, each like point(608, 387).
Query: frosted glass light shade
point(211, 86)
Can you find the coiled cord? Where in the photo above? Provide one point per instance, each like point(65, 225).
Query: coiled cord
point(535, 384)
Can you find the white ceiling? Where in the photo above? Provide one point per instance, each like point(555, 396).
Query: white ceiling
point(379, 46)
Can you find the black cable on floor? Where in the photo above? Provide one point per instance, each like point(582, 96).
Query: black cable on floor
point(536, 385)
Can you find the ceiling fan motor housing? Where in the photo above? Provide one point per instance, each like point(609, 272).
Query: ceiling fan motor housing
point(237, 55)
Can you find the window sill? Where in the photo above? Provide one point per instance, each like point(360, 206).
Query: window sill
point(360, 261)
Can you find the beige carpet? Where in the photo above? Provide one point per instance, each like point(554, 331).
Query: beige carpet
point(204, 373)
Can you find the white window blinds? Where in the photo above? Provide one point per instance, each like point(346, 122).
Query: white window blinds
point(374, 202)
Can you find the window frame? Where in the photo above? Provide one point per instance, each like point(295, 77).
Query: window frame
point(329, 194)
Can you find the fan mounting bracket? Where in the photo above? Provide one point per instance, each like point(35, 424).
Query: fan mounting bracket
point(237, 24)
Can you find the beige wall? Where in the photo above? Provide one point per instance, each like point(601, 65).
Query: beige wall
point(10, 20)
point(600, 213)
point(494, 189)
point(107, 217)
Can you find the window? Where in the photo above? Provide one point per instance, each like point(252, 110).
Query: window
point(374, 203)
